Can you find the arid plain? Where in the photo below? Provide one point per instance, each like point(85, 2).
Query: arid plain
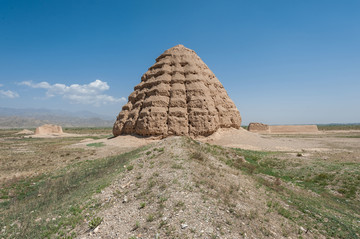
point(233, 184)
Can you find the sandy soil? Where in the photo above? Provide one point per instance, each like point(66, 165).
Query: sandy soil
point(116, 145)
point(49, 136)
point(235, 138)
point(323, 141)
point(29, 158)
point(241, 138)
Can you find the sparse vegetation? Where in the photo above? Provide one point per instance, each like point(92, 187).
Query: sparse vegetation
point(160, 150)
point(150, 218)
point(101, 144)
point(179, 204)
point(95, 222)
point(198, 156)
point(137, 226)
point(317, 176)
point(177, 166)
point(103, 131)
point(338, 126)
point(54, 203)
point(295, 195)
point(162, 223)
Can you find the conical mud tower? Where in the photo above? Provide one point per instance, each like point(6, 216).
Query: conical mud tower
point(178, 95)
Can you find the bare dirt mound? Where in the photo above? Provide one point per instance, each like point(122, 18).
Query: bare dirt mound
point(178, 95)
point(25, 131)
point(177, 189)
point(113, 146)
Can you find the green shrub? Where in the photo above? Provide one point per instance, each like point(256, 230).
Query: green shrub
point(150, 218)
point(198, 156)
point(95, 222)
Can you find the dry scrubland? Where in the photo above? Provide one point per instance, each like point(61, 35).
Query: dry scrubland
point(86, 187)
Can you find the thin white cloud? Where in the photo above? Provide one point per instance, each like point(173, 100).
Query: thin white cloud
point(1, 85)
point(8, 94)
point(91, 93)
point(43, 84)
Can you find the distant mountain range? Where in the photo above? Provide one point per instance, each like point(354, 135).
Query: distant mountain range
point(31, 118)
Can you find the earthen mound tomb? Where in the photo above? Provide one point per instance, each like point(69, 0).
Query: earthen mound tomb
point(47, 129)
point(259, 127)
point(178, 95)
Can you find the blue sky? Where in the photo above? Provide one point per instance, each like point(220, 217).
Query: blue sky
point(281, 62)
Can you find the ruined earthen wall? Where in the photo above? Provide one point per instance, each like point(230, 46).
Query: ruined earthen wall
point(259, 128)
point(49, 129)
point(293, 129)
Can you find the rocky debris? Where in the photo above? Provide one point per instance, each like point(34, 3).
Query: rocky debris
point(183, 226)
point(48, 129)
point(178, 95)
point(125, 200)
point(258, 127)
